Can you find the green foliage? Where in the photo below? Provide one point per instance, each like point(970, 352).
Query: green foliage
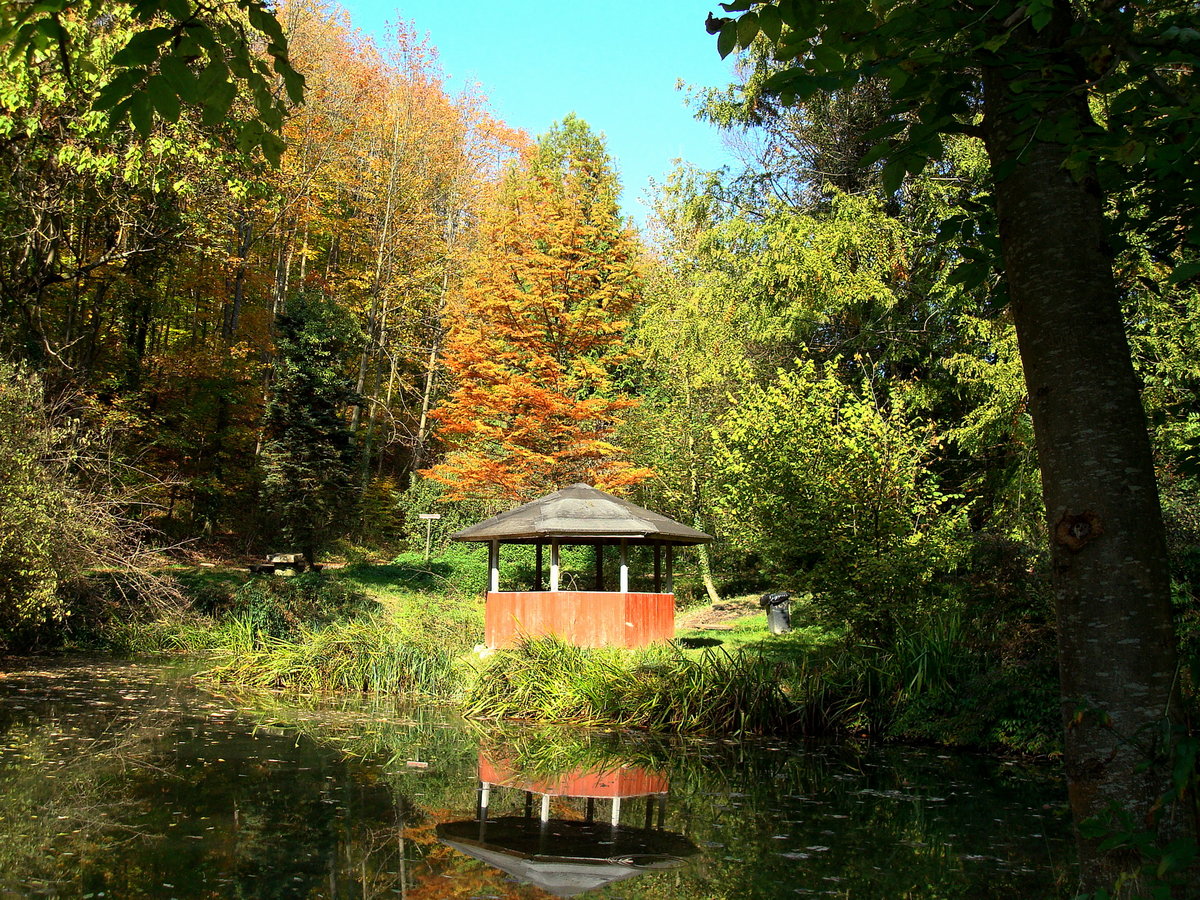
point(307, 462)
point(408, 644)
point(280, 607)
point(830, 491)
point(424, 495)
point(183, 53)
point(996, 432)
point(61, 510)
point(931, 59)
point(1151, 867)
point(935, 684)
point(365, 654)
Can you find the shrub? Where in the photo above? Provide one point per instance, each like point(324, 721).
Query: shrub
point(832, 492)
point(63, 512)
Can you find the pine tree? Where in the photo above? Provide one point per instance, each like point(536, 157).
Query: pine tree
point(307, 460)
point(537, 332)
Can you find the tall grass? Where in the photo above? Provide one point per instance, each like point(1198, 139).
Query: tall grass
point(363, 654)
point(775, 688)
point(661, 689)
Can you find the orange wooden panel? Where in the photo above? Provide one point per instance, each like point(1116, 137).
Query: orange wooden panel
point(583, 618)
point(624, 781)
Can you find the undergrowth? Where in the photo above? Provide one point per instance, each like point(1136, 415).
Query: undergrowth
point(931, 686)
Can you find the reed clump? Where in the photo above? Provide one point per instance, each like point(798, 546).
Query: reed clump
point(371, 655)
point(660, 689)
point(923, 685)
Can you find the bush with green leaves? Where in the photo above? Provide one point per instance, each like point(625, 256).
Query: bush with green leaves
point(828, 488)
point(61, 511)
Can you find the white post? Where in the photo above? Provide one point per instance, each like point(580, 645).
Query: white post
point(494, 566)
point(554, 564)
point(624, 584)
point(545, 808)
point(616, 812)
point(670, 569)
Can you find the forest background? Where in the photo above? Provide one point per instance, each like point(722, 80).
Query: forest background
point(416, 309)
point(233, 322)
point(217, 344)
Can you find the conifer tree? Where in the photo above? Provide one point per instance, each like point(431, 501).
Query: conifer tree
point(537, 332)
point(307, 460)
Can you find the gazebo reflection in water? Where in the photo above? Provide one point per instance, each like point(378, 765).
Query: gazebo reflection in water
point(581, 514)
point(585, 846)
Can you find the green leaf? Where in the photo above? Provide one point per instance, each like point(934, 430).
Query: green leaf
point(828, 57)
point(893, 175)
point(876, 153)
point(218, 102)
point(1185, 272)
point(272, 147)
point(293, 81)
point(212, 75)
point(263, 21)
point(163, 97)
point(141, 114)
point(180, 10)
point(727, 39)
point(142, 48)
point(118, 88)
point(771, 22)
point(182, 78)
point(791, 13)
point(886, 130)
point(747, 28)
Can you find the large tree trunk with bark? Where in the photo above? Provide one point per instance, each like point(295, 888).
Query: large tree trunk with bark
point(1117, 656)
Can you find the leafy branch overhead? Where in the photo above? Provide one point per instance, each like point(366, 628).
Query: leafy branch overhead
point(1139, 65)
point(184, 53)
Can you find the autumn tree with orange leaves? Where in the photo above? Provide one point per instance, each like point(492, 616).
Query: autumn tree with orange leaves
point(537, 331)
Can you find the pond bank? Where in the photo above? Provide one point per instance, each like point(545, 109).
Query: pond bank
point(410, 628)
point(127, 780)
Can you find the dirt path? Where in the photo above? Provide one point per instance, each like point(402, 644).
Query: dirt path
point(724, 613)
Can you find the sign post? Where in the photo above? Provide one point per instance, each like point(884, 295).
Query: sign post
point(429, 518)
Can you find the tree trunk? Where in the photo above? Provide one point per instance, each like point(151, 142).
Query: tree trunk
point(1116, 643)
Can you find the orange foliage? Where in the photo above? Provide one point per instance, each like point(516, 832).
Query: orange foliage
point(534, 338)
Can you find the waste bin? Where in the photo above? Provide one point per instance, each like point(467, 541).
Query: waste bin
point(778, 605)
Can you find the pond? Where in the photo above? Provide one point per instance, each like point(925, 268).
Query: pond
point(133, 780)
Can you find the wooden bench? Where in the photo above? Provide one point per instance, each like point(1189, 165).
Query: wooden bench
point(277, 562)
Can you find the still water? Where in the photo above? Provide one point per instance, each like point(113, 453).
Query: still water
point(133, 780)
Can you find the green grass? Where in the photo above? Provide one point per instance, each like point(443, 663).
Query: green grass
point(369, 655)
point(395, 629)
point(660, 688)
point(930, 686)
point(408, 628)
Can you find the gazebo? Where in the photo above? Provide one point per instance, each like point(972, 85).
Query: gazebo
point(569, 856)
point(580, 514)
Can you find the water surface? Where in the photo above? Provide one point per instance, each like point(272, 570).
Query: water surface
point(133, 780)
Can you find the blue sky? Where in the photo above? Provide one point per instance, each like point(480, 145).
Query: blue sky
point(614, 63)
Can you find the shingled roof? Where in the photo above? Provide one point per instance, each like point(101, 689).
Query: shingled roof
point(581, 512)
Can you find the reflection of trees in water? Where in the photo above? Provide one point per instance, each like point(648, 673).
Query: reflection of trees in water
point(64, 772)
point(875, 823)
point(123, 784)
point(260, 796)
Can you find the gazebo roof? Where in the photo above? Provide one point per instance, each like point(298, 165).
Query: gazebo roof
point(582, 513)
point(567, 857)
